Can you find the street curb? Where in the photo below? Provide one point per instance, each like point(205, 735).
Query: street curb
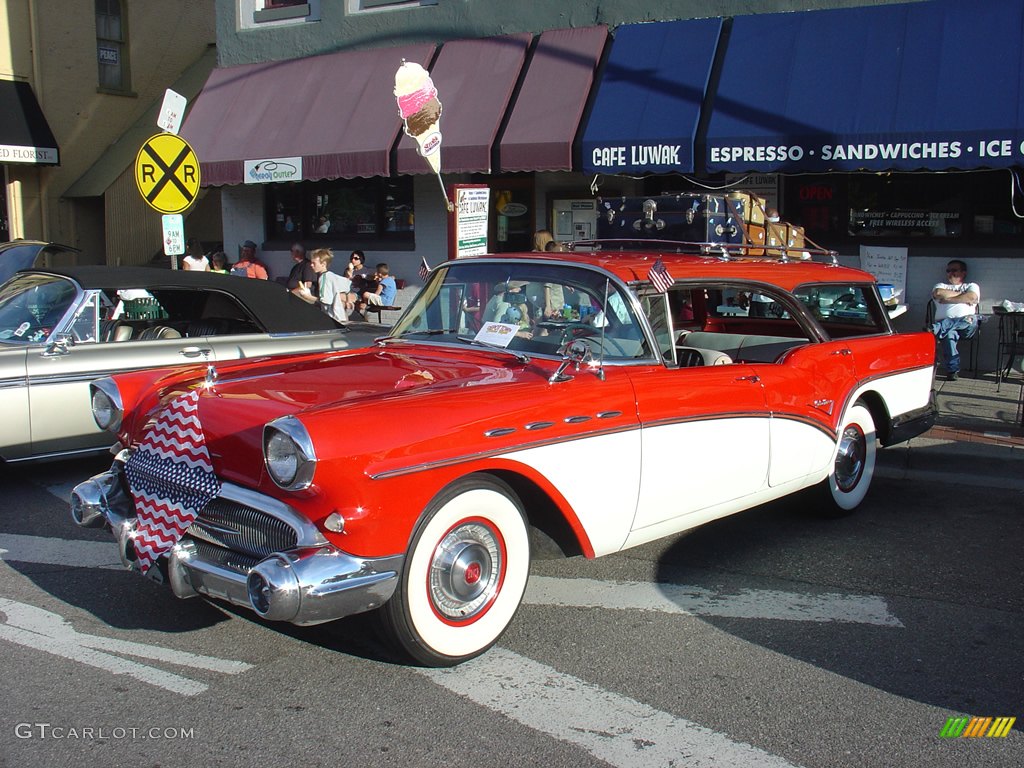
point(944, 477)
point(968, 463)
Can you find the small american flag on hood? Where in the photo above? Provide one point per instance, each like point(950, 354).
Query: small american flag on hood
point(171, 478)
point(660, 277)
point(424, 268)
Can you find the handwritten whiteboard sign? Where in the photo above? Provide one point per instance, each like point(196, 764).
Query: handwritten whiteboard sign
point(888, 265)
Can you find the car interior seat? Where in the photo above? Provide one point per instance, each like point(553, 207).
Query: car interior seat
point(114, 330)
point(159, 332)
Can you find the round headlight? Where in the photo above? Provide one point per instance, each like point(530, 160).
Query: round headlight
point(282, 458)
point(106, 405)
point(288, 453)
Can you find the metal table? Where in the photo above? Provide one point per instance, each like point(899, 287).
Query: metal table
point(1010, 344)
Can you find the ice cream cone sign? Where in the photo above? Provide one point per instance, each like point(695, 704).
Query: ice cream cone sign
point(421, 111)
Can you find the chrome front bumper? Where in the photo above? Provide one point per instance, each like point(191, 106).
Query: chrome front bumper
point(307, 585)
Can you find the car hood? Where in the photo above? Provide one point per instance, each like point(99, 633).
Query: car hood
point(348, 391)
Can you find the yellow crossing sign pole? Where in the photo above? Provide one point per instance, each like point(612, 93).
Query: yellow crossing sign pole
point(167, 173)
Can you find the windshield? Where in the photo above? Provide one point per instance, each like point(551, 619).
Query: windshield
point(32, 306)
point(525, 307)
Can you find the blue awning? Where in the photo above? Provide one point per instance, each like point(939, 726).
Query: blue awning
point(648, 102)
point(931, 85)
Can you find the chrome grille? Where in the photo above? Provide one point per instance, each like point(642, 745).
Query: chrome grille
point(242, 528)
point(235, 561)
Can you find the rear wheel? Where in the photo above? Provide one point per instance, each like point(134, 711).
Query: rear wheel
point(464, 576)
point(854, 465)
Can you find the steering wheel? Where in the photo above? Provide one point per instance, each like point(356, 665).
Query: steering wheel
point(576, 329)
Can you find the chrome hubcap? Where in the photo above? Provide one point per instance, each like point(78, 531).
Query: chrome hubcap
point(850, 458)
point(464, 571)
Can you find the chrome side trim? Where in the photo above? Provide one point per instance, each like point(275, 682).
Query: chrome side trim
point(60, 454)
point(483, 454)
point(85, 376)
point(15, 382)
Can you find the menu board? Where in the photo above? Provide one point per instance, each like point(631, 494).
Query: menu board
point(468, 220)
point(888, 265)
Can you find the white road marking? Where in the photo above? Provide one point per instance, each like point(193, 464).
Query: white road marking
point(546, 590)
point(698, 601)
point(42, 630)
point(46, 551)
point(614, 728)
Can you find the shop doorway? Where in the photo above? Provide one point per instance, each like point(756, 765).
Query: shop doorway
point(512, 221)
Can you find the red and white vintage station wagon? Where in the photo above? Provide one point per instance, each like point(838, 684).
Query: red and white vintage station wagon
point(520, 400)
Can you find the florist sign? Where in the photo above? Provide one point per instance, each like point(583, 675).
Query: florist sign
point(273, 169)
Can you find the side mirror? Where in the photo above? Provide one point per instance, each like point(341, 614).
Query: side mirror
point(59, 345)
point(574, 353)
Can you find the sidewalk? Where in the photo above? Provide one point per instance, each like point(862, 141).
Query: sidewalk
point(971, 410)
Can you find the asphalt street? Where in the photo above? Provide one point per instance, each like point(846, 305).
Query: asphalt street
point(772, 638)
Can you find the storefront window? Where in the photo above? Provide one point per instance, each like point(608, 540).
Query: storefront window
point(349, 213)
point(976, 206)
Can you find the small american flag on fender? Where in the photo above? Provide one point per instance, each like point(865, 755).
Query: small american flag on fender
point(171, 478)
point(660, 277)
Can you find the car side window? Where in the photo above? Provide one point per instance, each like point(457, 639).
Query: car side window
point(844, 309)
point(721, 324)
point(85, 324)
point(656, 308)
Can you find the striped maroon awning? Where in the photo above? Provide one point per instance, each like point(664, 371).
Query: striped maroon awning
point(336, 111)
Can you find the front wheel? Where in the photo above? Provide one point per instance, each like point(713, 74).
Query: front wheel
point(854, 465)
point(464, 576)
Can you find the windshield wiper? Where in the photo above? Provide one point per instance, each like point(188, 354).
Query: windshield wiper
point(520, 356)
point(407, 334)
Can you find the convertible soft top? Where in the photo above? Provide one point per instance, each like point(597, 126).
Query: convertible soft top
point(275, 308)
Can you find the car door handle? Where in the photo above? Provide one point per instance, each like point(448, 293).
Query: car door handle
point(753, 378)
point(195, 352)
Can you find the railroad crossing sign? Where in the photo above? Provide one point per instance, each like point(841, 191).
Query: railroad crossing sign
point(167, 173)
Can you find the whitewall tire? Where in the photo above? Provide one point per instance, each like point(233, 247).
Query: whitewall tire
point(854, 465)
point(464, 576)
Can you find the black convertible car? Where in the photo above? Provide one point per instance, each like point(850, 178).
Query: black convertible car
point(62, 328)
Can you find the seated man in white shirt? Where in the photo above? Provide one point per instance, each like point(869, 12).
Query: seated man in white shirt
point(956, 305)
